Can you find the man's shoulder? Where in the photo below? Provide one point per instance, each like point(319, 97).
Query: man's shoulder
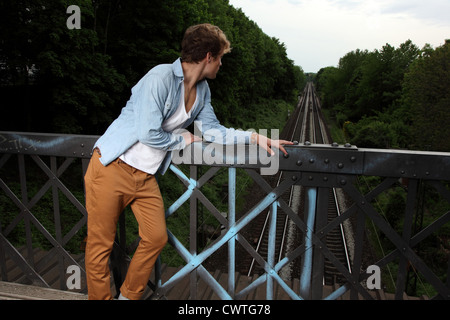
point(165, 72)
point(161, 69)
point(161, 74)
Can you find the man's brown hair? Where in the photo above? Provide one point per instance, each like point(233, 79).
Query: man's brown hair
point(203, 38)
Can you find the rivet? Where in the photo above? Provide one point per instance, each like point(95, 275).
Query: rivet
point(327, 161)
point(325, 179)
point(286, 155)
point(347, 145)
point(295, 142)
point(311, 160)
point(343, 182)
point(310, 178)
point(340, 165)
point(294, 178)
point(335, 144)
point(307, 143)
point(353, 159)
point(299, 163)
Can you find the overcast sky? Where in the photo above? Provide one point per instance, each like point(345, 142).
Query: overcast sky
point(317, 33)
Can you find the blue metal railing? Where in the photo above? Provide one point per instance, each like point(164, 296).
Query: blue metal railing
point(193, 262)
point(348, 165)
point(306, 272)
point(315, 167)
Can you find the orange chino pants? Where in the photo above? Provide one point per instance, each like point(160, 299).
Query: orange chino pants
point(109, 189)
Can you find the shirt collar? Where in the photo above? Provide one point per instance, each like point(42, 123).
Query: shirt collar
point(177, 69)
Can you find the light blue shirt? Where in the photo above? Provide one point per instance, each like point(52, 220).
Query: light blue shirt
point(154, 99)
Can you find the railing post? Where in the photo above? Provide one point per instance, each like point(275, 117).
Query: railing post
point(193, 243)
point(271, 251)
point(231, 223)
point(306, 272)
point(24, 194)
point(317, 280)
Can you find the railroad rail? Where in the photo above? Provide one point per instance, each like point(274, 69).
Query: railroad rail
point(35, 167)
point(306, 126)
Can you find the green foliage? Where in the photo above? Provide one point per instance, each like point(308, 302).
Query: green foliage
point(396, 98)
point(52, 70)
point(366, 83)
point(77, 81)
point(370, 133)
point(391, 98)
point(427, 93)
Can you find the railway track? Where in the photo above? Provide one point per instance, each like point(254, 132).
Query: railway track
point(305, 125)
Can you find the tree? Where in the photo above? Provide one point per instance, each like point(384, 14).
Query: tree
point(67, 84)
point(427, 93)
point(367, 87)
point(78, 80)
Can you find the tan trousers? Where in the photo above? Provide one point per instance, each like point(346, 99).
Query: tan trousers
point(108, 191)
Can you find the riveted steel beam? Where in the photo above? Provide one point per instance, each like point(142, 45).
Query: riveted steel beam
point(324, 159)
point(320, 158)
point(47, 144)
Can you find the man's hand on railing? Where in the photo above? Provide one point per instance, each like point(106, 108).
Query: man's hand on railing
point(267, 143)
point(190, 138)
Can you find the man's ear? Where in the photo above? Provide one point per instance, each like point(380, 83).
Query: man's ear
point(209, 57)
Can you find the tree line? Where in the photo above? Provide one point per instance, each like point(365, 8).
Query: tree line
point(391, 97)
point(396, 98)
point(56, 79)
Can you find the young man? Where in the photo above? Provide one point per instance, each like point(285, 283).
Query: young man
point(138, 144)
